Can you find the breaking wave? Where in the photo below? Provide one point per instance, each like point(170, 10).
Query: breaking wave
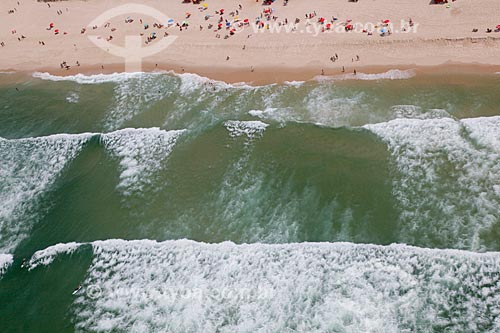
point(30, 167)
point(445, 178)
point(184, 286)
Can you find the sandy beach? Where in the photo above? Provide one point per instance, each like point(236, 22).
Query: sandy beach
point(54, 37)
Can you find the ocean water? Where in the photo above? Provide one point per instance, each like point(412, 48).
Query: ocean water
point(172, 203)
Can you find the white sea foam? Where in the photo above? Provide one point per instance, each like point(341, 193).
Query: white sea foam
point(281, 115)
point(184, 286)
point(251, 128)
point(328, 108)
point(294, 83)
point(416, 112)
point(248, 209)
point(133, 92)
point(141, 153)
point(191, 82)
point(73, 98)
point(29, 168)
point(447, 187)
point(393, 74)
point(46, 257)
point(485, 130)
point(5, 261)
point(92, 79)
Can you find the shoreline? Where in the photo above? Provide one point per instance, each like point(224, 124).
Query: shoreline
point(268, 75)
point(452, 39)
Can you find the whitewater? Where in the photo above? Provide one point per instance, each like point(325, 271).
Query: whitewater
point(163, 202)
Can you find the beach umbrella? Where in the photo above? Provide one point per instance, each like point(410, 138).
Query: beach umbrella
point(498, 27)
point(56, 31)
point(170, 21)
point(205, 5)
point(386, 21)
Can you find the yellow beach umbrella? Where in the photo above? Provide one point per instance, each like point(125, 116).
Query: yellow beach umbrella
point(205, 5)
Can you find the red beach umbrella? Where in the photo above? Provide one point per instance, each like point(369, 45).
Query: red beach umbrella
point(387, 21)
point(498, 27)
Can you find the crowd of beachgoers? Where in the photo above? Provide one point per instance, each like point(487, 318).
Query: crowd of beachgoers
point(211, 20)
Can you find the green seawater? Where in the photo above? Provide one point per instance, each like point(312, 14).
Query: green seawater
point(310, 183)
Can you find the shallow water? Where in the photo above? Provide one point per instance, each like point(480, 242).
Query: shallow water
point(164, 157)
